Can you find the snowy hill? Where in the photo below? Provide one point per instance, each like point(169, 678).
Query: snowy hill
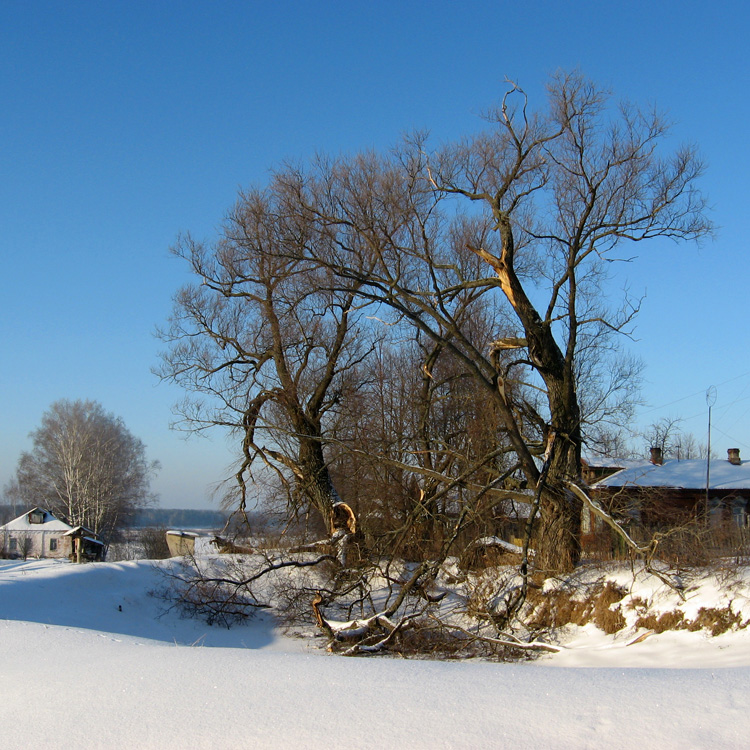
point(85, 655)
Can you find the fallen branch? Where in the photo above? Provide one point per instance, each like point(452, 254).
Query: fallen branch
point(228, 547)
point(381, 645)
point(509, 641)
point(353, 629)
point(336, 546)
point(597, 509)
point(642, 637)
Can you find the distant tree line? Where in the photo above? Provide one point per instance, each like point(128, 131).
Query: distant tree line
point(179, 518)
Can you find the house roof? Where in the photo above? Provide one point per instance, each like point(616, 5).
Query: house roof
point(178, 532)
point(689, 474)
point(80, 530)
point(49, 522)
point(87, 534)
point(606, 462)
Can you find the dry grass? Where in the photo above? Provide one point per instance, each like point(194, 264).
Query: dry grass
point(638, 604)
point(659, 622)
point(717, 620)
point(556, 609)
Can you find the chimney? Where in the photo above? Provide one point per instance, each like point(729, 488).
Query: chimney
point(733, 456)
point(656, 457)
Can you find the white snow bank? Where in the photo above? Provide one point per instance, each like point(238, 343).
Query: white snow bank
point(125, 679)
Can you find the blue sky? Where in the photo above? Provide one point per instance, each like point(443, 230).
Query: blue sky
point(125, 123)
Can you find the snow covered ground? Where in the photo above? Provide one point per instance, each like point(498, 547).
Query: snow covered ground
point(85, 660)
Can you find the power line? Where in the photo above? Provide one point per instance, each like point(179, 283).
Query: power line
point(703, 413)
point(736, 400)
point(697, 393)
point(732, 438)
point(742, 416)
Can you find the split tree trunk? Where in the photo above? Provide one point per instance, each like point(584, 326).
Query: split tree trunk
point(558, 536)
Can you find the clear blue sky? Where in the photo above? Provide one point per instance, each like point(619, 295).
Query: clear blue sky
point(124, 123)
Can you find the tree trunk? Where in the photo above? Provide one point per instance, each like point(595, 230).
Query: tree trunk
point(558, 545)
point(558, 541)
point(315, 480)
point(559, 536)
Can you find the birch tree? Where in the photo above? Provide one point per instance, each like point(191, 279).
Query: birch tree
point(86, 467)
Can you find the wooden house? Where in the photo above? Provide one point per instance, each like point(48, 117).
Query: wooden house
point(672, 492)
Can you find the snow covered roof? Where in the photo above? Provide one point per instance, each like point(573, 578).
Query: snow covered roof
point(605, 462)
point(49, 522)
point(79, 529)
point(689, 474)
point(87, 534)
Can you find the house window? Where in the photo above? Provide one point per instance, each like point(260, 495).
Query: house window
point(36, 516)
point(13, 544)
point(715, 512)
point(585, 521)
point(739, 512)
point(53, 545)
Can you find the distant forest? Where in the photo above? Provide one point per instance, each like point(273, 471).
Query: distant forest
point(181, 518)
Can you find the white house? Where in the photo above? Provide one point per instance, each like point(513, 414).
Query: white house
point(38, 533)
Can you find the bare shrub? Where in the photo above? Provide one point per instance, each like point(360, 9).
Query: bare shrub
point(489, 592)
point(685, 546)
point(483, 554)
point(433, 637)
point(227, 589)
point(213, 590)
point(436, 639)
point(291, 595)
point(694, 543)
point(153, 540)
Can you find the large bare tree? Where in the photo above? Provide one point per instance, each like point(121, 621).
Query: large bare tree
point(487, 262)
point(265, 347)
point(534, 210)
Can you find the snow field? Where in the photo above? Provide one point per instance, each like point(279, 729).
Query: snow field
point(75, 670)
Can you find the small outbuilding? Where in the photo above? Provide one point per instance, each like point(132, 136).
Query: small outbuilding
point(83, 545)
point(189, 543)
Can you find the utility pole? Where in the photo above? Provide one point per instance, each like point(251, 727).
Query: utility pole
point(710, 400)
